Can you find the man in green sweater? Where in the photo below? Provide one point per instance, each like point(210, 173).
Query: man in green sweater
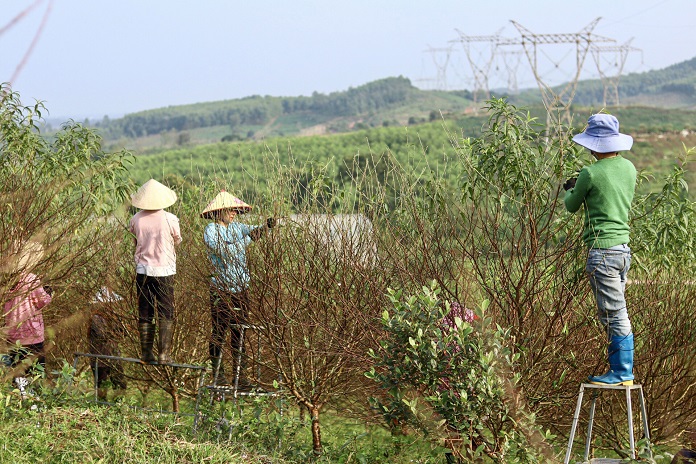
point(606, 189)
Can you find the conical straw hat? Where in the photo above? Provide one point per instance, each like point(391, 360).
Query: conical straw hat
point(25, 258)
point(224, 200)
point(153, 195)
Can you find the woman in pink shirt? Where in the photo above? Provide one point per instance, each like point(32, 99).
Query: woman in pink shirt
point(156, 234)
point(23, 315)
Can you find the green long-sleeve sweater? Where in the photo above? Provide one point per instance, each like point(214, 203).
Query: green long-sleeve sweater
point(606, 188)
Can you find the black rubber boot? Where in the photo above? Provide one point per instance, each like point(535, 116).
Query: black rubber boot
point(166, 333)
point(147, 339)
point(119, 379)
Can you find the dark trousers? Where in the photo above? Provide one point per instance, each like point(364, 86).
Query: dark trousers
point(227, 308)
point(103, 339)
point(17, 355)
point(154, 293)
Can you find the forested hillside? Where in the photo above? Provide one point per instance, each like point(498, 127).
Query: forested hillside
point(674, 86)
point(375, 97)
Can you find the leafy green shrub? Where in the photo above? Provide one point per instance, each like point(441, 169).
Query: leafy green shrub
point(456, 385)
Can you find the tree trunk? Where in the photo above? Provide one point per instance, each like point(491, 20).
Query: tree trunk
point(316, 432)
point(175, 399)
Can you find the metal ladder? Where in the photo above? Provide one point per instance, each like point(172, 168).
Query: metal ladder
point(233, 390)
point(628, 389)
point(106, 358)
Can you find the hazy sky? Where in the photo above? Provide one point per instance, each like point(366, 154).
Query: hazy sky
point(111, 57)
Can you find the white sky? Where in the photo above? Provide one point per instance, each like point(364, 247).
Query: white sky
point(111, 57)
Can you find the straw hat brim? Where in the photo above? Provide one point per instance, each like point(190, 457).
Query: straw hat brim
point(25, 259)
point(222, 201)
point(152, 195)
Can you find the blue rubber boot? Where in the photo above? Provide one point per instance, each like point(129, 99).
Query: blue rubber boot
point(620, 362)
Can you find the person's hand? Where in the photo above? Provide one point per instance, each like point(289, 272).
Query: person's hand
point(270, 222)
point(570, 183)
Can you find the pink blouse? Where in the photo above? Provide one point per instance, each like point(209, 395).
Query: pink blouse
point(156, 233)
point(23, 316)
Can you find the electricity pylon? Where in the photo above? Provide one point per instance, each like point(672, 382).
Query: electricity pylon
point(440, 65)
point(479, 67)
point(610, 81)
point(557, 102)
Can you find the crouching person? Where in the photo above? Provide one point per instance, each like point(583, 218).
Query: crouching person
point(105, 332)
point(24, 324)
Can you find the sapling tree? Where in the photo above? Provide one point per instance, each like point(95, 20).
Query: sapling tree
point(317, 289)
point(507, 225)
point(502, 234)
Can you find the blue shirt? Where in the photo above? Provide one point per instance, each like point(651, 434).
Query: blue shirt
point(227, 251)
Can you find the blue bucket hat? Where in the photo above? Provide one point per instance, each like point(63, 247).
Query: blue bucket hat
point(602, 135)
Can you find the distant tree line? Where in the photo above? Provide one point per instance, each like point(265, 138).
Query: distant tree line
point(257, 110)
point(373, 96)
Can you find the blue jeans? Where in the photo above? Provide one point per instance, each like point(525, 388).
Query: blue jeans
point(607, 269)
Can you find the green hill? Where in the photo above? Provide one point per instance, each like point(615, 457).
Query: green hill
point(671, 87)
point(383, 102)
point(421, 148)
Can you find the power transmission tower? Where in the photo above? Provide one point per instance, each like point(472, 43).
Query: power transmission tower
point(611, 80)
point(557, 102)
point(479, 67)
point(440, 65)
point(511, 61)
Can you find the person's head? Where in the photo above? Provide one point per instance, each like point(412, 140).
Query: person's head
point(20, 261)
point(224, 208)
point(153, 196)
point(23, 258)
point(602, 136)
point(225, 215)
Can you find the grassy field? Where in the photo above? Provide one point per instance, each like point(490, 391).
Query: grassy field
point(57, 425)
point(60, 421)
